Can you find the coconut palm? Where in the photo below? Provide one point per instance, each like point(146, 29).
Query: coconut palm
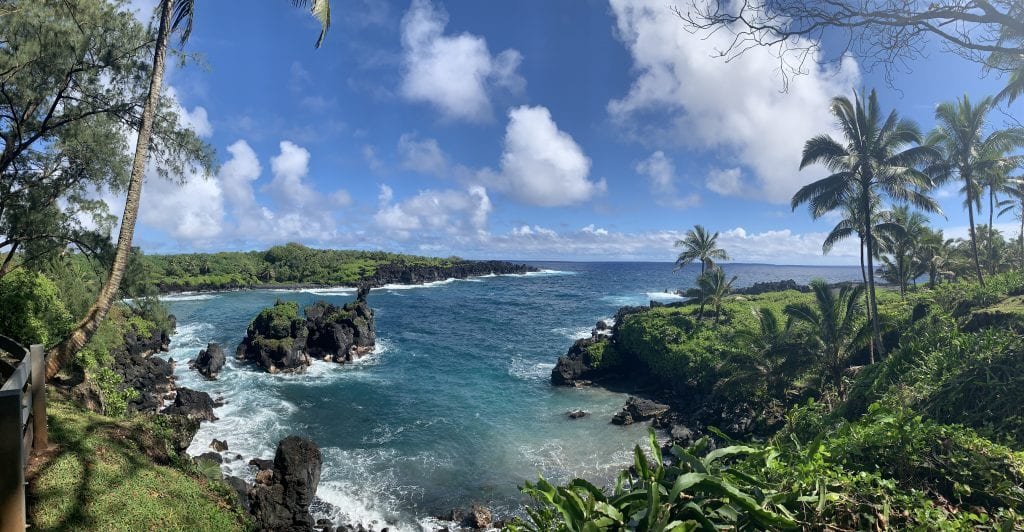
point(901, 246)
point(969, 155)
point(835, 328)
point(997, 181)
point(714, 288)
point(700, 245)
point(933, 253)
point(174, 16)
point(877, 157)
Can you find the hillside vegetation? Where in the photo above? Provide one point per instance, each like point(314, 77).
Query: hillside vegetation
point(929, 437)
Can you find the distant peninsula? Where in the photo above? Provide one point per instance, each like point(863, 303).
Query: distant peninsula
point(297, 266)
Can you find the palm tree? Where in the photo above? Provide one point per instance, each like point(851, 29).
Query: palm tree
point(853, 223)
point(836, 330)
point(902, 246)
point(765, 353)
point(997, 181)
point(970, 155)
point(174, 16)
point(876, 157)
point(714, 288)
point(933, 253)
point(700, 245)
point(1015, 189)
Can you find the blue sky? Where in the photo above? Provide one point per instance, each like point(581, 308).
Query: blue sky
point(580, 130)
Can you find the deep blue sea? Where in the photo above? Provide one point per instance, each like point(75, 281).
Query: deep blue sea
point(455, 406)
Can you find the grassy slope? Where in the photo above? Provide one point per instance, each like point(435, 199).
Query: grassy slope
point(105, 475)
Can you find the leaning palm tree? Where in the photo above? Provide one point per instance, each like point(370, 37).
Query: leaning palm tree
point(174, 16)
point(969, 155)
point(714, 289)
point(877, 157)
point(700, 245)
point(835, 328)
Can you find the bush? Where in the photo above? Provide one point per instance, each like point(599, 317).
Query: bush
point(33, 312)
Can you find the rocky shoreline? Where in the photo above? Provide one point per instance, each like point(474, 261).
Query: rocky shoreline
point(384, 275)
point(682, 416)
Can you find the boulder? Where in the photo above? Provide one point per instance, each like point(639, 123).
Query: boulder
point(210, 361)
point(183, 430)
point(219, 445)
point(683, 435)
point(241, 489)
point(637, 409)
point(192, 403)
point(478, 518)
point(88, 396)
point(210, 457)
point(261, 464)
point(283, 504)
point(576, 414)
point(575, 366)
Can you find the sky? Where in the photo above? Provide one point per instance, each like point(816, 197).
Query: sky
point(583, 130)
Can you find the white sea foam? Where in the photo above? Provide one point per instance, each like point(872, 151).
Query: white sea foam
point(395, 286)
point(665, 296)
point(573, 333)
point(187, 296)
point(522, 369)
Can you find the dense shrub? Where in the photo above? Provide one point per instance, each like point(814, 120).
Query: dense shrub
point(33, 312)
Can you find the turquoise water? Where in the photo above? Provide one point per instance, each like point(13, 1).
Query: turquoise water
point(455, 406)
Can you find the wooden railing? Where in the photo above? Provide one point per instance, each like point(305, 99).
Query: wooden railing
point(22, 428)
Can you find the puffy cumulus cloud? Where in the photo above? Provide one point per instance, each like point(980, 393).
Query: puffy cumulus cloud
point(422, 155)
point(541, 164)
point(661, 172)
point(592, 243)
point(290, 167)
point(683, 92)
point(454, 73)
point(727, 182)
point(433, 214)
point(191, 211)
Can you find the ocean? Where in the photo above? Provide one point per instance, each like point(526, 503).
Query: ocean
point(455, 405)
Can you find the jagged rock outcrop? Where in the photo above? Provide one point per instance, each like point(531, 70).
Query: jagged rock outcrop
point(579, 366)
point(210, 361)
point(193, 404)
point(276, 339)
point(152, 377)
point(283, 503)
point(637, 409)
point(340, 334)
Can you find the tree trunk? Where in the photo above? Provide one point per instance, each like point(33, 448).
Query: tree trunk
point(63, 352)
point(866, 205)
point(974, 236)
point(1022, 236)
point(991, 230)
point(867, 299)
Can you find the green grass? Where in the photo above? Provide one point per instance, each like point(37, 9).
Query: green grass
point(120, 475)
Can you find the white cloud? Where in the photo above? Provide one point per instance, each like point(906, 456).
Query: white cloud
point(434, 213)
point(372, 161)
point(780, 246)
point(454, 73)
point(422, 155)
point(727, 182)
point(196, 119)
point(661, 172)
point(734, 108)
point(290, 167)
point(541, 164)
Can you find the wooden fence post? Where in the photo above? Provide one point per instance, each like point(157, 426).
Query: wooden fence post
point(40, 438)
point(12, 468)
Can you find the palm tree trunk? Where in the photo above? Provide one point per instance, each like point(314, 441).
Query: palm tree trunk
point(63, 352)
point(867, 299)
point(1022, 236)
point(866, 205)
point(974, 236)
point(991, 231)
